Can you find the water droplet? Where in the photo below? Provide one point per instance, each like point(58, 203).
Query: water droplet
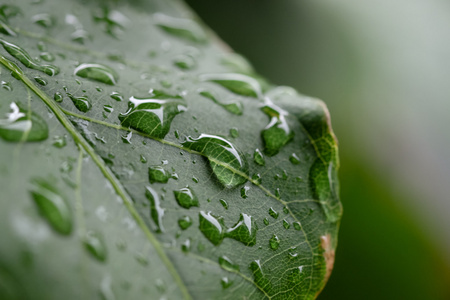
point(273, 213)
point(185, 62)
point(5, 29)
point(224, 203)
point(185, 222)
point(186, 246)
point(234, 107)
point(127, 137)
point(259, 158)
point(6, 85)
point(266, 221)
point(8, 11)
point(26, 59)
point(227, 162)
point(277, 133)
point(285, 210)
point(44, 20)
point(297, 226)
point(94, 244)
point(243, 231)
point(226, 283)
point(274, 242)
point(58, 97)
point(52, 206)
point(116, 96)
point(259, 278)
point(114, 21)
point(236, 83)
point(277, 193)
point(82, 103)
point(186, 198)
point(234, 132)
point(22, 125)
point(286, 224)
point(244, 192)
point(156, 212)
point(40, 80)
point(211, 227)
point(47, 56)
point(59, 141)
point(141, 259)
point(158, 174)
point(97, 72)
point(195, 179)
point(142, 159)
point(108, 108)
point(294, 159)
point(257, 178)
point(227, 264)
point(153, 116)
point(182, 28)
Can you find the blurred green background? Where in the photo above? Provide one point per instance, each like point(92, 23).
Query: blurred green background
point(383, 68)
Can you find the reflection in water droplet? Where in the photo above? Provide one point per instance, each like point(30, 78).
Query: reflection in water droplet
point(156, 212)
point(82, 103)
point(236, 83)
point(154, 115)
point(243, 231)
point(26, 59)
point(227, 264)
point(158, 174)
point(97, 72)
point(186, 198)
point(277, 133)
point(211, 227)
point(234, 107)
point(44, 20)
point(182, 28)
point(259, 278)
point(94, 244)
point(184, 222)
point(226, 283)
point(259, 158)
point(274, 242)
point(227, 162)
point(52, 206)
point(40, 80)
point(273, 213)
point(22, 125)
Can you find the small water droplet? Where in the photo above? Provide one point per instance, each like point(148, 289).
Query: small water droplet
point(182, 28)
point(156, 212)
point(286, 224)
point(259, 158)
point(185, 222)
point(6, 85)
point(274, 242)
point(234, 107)
point(108, 108)
point(211, 227)
point(244, 192)
point(21, 125)
point(227, 264)
point(186, 246)
point(184, 62)
point(158, 174)
point(177, 134)
point(47, 56)
point(236, 83)
point(116, 96)
point(82, 103)
point(52, 206)
point(195, 179)
point(97, 72)
point(127, 137)
point(26, 59)
point(113, 21)
point(243, 231)
point(186, 198)
point(277, 193)
point(58, 97)
point(294, 159)
point(142, 159)
point(224, 203)
point(266, 221)
point(59, 141)
point(226, 283)
point(285, 210)
point(154, 115)
point(277, 133)
point(226, 161)
point(273, 213)
point(141, 259)
point(257, 178)
point(297, 226)
point(44, 20)
point(40, 80)
point(94, 244)
point(234, 132)
point(106, 291)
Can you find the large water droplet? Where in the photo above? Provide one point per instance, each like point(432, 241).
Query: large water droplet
point(52, 206)
point(274, 242)
point(185, 222)
point(82, 103)
point(26, 59)
point(243, 231)
point(156, 212)
point(158, 174)
point(154, 115)
point(182, 28)
point(97, 72)
point(259, 278)
point(277, 133)
point(227, 264)
point(234, 107)
point(94, 244)
point(227, 162)
point(22, 125)
point(237, 83)
point(211, 227)
point(186, 197)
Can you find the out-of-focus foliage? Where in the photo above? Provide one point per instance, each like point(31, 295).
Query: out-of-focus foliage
point(382, 68)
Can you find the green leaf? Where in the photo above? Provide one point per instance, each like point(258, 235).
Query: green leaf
point(127, 175)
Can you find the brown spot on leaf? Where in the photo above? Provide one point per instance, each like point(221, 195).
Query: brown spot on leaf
point(328, 254)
